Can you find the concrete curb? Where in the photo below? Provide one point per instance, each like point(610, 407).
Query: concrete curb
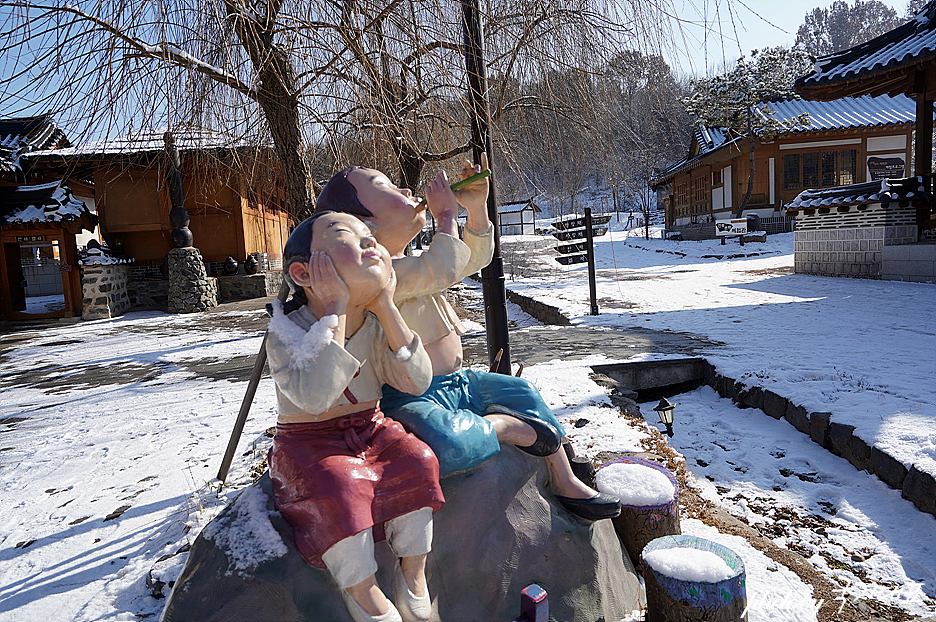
point(915, 485)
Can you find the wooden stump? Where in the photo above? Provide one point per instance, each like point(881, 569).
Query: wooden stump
point(670, 599)
point(639, 524)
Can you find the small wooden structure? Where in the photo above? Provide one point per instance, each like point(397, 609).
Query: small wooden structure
point(38, 226)
point(518, 217)
point(670, 599)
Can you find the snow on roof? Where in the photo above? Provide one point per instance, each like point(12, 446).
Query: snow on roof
point(883, 192)
point(909, 44)
point(24, 134)
point(515, 207)
point(51, 202)
point(840, 114)
point(191, 139)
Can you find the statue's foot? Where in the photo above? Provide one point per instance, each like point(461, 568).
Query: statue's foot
point(412, 608)
point(594, 508)
point(359, 615)
point(548, 439)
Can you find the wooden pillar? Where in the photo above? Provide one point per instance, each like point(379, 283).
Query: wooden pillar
point(923, 154)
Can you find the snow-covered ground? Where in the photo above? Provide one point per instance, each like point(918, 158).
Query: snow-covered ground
point(110, 437)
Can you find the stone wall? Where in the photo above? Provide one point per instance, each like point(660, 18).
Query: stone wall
point(244, 287)
point(148, 294)
point(104, 291)
point(850, 243)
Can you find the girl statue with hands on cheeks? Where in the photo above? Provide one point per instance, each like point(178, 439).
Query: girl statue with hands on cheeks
point(339, 467)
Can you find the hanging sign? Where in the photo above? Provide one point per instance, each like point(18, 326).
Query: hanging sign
point(30, 238)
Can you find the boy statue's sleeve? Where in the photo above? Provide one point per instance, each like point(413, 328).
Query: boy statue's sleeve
point(437, 268)
point(481, 246)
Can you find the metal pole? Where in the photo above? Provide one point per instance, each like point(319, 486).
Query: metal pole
point(492, 277)
point(590, 253)
point(259, 362)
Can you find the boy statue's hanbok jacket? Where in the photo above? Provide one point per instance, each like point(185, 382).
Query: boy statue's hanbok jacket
point(335, 478)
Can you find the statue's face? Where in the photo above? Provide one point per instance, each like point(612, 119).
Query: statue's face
point(362, 263)
point(395, 211)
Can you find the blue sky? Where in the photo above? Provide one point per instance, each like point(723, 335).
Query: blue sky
point(738, 26)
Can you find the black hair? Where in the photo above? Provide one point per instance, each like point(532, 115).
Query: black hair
point(297, 250)
point(340, 195)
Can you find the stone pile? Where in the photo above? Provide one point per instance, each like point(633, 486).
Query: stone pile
point(190, 287)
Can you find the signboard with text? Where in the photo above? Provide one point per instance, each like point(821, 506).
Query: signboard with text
point(735, 226)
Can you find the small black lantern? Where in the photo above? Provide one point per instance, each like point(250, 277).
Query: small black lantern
point(665, 410)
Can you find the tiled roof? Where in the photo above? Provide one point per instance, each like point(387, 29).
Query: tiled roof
point(148, 142)
point(908, 44)
point(849, 112)
point(709, 139)
point(24, 134)
point(51, 202)
point(840, 114)
point(883, 192)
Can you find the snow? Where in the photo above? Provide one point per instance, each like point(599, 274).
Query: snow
point(635, 484)
point(110, 440)
point(247, 535)
point(685, 564)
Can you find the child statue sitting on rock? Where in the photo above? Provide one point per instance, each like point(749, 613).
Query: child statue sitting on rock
point(339, 467)
point(465, 414)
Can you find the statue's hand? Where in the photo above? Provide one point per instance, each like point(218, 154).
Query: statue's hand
point(385, 297)
point(474, 195)
point(327, 287)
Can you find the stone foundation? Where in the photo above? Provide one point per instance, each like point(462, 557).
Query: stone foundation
point(244, 287)
point(190, 288)
point(148, 294)
point(104, 291)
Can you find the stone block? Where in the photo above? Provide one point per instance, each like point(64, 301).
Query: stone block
point(819, 428)
point(859, 453)
point(752, 397)
point(797, 417)
point(888, 469)
point(840, 437)
point(920, 488)
point(774, 405)
point(709, 375)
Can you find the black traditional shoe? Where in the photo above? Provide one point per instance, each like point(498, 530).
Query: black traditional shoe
point(596, 508)
point(548, 440)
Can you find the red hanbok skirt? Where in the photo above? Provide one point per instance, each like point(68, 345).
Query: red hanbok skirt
point(335, 478)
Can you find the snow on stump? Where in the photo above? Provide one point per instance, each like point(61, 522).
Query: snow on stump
point(649, 495)
point(691, 579)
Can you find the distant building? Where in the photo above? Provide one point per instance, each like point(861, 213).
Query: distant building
point(518, 217)
point(850, 140)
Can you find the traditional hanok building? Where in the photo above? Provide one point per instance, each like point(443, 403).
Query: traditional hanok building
point(835, 227)
point(233, 194)
point(21, 135)
point(39, 272)
point(848, 141)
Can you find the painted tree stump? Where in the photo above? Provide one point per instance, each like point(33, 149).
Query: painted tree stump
point(688, 587)
point(649, 503)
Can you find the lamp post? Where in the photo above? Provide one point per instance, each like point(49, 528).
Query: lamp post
point(665, 410)
point(492, 276)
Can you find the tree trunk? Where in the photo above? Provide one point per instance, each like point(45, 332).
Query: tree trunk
point(277, 96)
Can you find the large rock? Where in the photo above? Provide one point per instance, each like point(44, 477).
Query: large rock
point(500, 530)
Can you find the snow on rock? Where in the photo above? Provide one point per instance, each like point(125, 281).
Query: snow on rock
point(249, 537)
point(635, 484)
point(687, 564)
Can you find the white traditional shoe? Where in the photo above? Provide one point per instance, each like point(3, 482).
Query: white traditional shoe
point(412, 608)
point(359, 615)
